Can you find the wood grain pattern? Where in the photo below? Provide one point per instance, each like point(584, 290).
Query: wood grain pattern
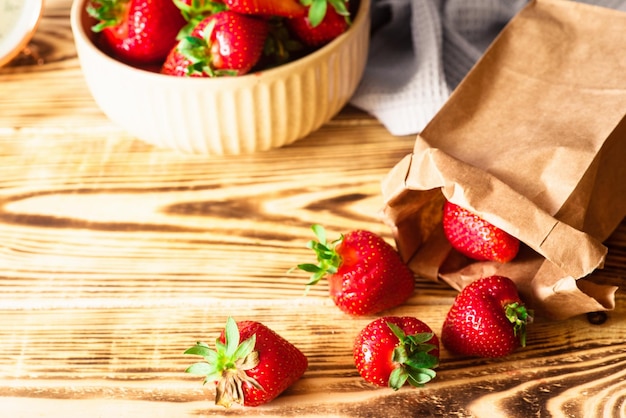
point(115, 257)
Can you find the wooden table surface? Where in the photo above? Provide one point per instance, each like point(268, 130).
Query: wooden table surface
point(115, 257)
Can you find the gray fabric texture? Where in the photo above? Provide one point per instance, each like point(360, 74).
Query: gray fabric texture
point(421, 49)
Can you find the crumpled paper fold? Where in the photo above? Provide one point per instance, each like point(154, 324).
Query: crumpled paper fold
point(534, 141)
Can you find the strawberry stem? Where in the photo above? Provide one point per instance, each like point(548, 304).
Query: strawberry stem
point(519, 316)
point(109, 13)
point(227, 364)
point(195, 51)
point(194, 12)
point(327, 257)
point(415, 364)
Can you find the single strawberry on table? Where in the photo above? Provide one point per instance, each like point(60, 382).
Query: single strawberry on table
point(365, 274)
point(487, 319)
point(137, 31)
point(251, 364)
point(476, 238)
point(222, 44)
point(394, 351)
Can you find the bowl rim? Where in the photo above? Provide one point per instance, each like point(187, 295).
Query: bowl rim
point(80, 35)
point(21, 30)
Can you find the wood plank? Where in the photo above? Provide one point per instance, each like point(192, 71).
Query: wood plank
point(115, 257)
point(134, 355)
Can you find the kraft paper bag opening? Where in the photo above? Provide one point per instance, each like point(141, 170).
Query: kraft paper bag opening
point(533, 140)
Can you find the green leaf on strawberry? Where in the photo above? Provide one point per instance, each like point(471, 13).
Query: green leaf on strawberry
point(107, 12)
point(321, 24)
point(413, 354)
point(250, 372)
point(227, 364)
point(328, 259)
point(318, 8)
point(487, 319)
point(365, 274)
point(225, 43)
point(194, 11)
point(317, 11)
point(519, 316)
point(195, 51)
point(394, 351)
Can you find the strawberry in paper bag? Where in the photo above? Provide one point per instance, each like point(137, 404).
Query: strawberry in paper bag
point(532, 141)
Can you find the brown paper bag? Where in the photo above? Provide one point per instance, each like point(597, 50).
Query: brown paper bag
point(534, 141)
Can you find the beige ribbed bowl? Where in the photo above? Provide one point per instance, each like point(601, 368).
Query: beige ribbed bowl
point(228, 115)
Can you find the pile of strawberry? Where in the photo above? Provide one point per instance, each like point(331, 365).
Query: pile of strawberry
point(367, 276)
point(210, 38)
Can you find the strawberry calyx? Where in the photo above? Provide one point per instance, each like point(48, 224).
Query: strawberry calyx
point(109, 13)
point(195, 49)
point(519, 316)
point(198, 51)
point(327, 257)
point(317, 10)
point(194, 12)
point(227, 364)
point(414, 363)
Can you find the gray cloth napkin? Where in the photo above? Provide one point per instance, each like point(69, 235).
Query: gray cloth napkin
point(421, 49)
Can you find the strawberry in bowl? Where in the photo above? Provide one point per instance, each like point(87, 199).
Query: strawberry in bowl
point(222, 44)
point(291, 90)
point(137, 31)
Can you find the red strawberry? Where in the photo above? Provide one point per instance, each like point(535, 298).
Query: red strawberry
point(322, 24)
point(282, 8)
point(224, 43)
point(137, 31)
point(251, 372)
point(365, 274)
point(476, 238)
point(392, 351)
point(487, 319)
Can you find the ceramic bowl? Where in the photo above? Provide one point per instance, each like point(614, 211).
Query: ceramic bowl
point(227, 115)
